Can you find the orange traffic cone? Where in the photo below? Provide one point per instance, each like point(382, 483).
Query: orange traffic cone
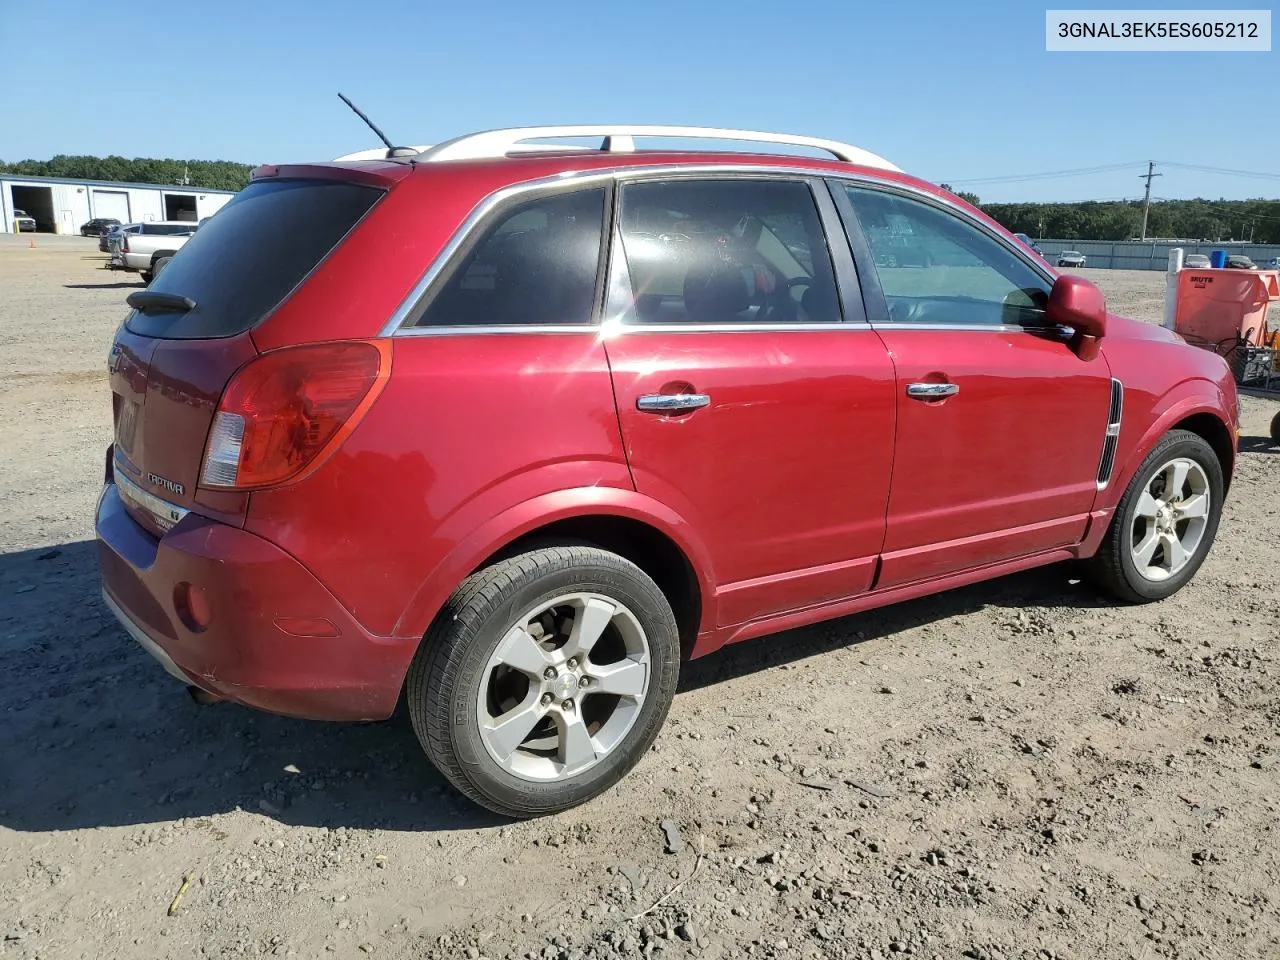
point(32, 245)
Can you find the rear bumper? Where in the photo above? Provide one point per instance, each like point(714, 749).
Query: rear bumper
point(259, 599)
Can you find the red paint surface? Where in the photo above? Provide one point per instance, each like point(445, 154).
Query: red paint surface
point(811, 487)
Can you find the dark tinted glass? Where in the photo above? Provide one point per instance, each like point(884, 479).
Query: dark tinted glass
point(240, 265)
point(536, 263)
point(722, 251)
point(935, 267)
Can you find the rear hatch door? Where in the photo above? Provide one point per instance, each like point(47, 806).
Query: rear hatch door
point(190, 331)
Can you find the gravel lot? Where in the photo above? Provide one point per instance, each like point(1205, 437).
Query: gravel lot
point(1013, 770)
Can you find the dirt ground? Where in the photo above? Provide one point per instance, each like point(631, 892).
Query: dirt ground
point(1014, 770)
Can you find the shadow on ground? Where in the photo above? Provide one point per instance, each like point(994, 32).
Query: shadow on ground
point(96, 734)
point(117, 285)
point(1258, 445)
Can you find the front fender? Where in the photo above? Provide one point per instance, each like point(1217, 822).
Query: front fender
point(525, 517)
point(1153, 418)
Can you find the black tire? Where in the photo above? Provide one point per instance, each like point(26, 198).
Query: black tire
point(159, 264)
point(443, 685)
point(145, 276)
point(1275, 428)
point(1112, 568)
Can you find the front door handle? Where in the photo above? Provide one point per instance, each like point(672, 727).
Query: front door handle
point(932, 391)
point(672, 402)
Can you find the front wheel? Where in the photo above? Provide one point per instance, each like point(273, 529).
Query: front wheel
point(545, 679)
point(1165, 523)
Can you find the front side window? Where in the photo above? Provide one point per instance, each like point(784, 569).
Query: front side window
point(535, 264)
point(936, 268)
point(721, 251)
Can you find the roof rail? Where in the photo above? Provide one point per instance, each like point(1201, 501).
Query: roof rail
point(380, 153)
point(620, 138)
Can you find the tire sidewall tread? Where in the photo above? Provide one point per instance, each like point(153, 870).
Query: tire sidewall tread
point(443, 682)
point(1113, 565)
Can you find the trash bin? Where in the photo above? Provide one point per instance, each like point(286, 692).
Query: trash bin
point(1218, 259)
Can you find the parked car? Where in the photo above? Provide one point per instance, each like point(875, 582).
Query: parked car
point(364, 471)
point(1195, 261)
point(1272, 264)
point(1023, 238)
point(98, 226)
point(1071, 258)
point(1239, 261)
point(104, 240)
point(149, 249)
point(23, 221)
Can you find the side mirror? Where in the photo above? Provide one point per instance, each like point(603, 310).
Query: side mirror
point(1077, 303)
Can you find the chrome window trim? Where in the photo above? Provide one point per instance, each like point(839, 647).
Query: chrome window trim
point(579, 179)
point(610, 329)
point(629, 328)
point(1059, 330)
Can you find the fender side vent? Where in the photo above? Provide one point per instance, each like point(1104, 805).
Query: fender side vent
point(1112, 438)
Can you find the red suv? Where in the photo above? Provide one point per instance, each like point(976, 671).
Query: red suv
point(512, 433)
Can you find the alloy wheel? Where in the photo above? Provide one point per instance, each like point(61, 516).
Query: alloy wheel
point(1170, 518)
point(564, 687)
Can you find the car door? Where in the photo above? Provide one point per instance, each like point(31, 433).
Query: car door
point(749, 402)
point(1001, 424)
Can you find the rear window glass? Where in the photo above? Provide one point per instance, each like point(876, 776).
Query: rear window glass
point(249, 256)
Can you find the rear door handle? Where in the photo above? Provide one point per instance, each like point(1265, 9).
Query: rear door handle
point(671, 402)
point(932, 391)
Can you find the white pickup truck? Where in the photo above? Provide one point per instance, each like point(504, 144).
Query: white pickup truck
point(149, 250)
point(24, 222)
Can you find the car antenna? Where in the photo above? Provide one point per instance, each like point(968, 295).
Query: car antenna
point(392, 149)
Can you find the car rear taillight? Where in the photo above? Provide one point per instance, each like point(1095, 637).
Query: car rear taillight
point(283, 413)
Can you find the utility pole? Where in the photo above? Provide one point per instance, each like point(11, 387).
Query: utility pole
point(1146, 200)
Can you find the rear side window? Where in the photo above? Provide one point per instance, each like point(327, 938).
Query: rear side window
point(240, 265)
point(535, 264)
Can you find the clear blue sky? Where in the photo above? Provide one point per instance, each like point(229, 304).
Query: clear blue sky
point(948, 91)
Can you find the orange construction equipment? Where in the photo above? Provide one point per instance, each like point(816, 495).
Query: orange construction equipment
point(1226, 311)
point(1221, 306)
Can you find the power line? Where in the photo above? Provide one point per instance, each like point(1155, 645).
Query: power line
point(1223, 171)
point(1020, 177)
point(1108, 168)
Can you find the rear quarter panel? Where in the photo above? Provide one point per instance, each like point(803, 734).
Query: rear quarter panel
point(467, 428)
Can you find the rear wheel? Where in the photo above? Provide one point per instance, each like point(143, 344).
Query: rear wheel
point(1165, 523)
point(145, 276)
point(1275, 428)
point(545, 679)
point(158, 265)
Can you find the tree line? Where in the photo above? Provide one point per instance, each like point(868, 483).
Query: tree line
point(1256, 221)
point(199, 174)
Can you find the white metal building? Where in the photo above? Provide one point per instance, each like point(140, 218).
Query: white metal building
point(64, 206)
